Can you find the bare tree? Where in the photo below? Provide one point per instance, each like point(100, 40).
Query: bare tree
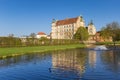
point(69, 34)
point(111, 30)
point(33, 37)
point(10, 35)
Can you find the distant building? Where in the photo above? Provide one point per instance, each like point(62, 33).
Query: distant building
point(65, 29)
point(48, 36)
point(41, 34)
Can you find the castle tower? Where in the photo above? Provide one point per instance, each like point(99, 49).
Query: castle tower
point(91, 28)
point(82, 22)
point(54, 29)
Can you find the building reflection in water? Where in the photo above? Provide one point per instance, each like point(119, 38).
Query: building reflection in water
point(71, 60)
point(92, 58)
point(74, 63)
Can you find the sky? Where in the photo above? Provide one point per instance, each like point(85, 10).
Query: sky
point(23, 17)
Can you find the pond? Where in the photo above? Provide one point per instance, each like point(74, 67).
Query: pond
point(74, 64)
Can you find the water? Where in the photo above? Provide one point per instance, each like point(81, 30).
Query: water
point(100, 48)
point(75, 64)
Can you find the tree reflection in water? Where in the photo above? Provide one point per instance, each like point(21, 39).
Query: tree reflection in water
point(112, 60)
point(23, 59)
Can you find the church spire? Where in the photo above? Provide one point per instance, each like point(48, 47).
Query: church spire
point(91, 28)
point(81, 18)
point(91, 22)
point(53, 20)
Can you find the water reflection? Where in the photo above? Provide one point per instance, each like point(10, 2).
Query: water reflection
point(92, 58)
point(88, 64)
point(23, 59)
point(112, 60)
point(75, 64)
point(69, 61)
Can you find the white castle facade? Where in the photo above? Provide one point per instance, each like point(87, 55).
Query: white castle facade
point(65, 29)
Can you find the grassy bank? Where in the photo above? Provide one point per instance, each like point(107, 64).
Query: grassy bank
point(6, 52)
point(108, 43)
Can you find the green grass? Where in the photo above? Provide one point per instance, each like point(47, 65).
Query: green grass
point(108, 43)
point(5, 52)
point(104, 43)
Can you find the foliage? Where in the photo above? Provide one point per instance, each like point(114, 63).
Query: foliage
point(10, 42)
point(32, 35)
point(28, 41)
point(69, 34)
point(32, 40)
point(104, 43)
point(43, 39)
point(11, 35)
point(105, 33)
point(81, 34)
point(111, 30)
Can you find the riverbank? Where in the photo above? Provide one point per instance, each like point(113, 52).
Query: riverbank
point(8, 52)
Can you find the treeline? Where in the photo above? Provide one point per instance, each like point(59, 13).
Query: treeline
point(111, 30)
point(110, 35)
point(10, 42)
point(19, 42)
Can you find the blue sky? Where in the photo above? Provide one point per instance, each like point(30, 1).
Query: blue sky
point(22, 17)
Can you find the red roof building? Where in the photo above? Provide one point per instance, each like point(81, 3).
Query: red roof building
point(65, 29)
point(41, 34)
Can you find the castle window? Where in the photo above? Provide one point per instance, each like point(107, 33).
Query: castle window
point(66, 26)
point(72, 24)
point(72, 27)
point(69, 26)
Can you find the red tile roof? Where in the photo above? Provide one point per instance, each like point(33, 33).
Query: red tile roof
point(41, 33)
point(66, 21)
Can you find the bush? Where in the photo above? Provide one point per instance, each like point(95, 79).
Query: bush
point(10, 42)
point(17, 42)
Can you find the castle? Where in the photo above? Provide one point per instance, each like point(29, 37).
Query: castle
point(65, 29)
